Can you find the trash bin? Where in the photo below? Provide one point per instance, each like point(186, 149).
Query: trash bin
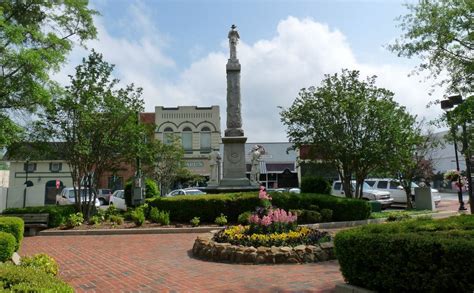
point(424, 199)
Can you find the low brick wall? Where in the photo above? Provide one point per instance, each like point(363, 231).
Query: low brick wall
point(207, 249)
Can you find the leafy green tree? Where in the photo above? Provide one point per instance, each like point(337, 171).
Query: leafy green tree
point(96, 121)
point(349, 123)
point(164, 162)
point(441, 34)
point(35, 38)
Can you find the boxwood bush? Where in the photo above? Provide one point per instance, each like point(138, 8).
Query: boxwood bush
point(7, 246)
point(14, 226)
point(208, 207)
point(27, 279)
point(419, 255)
point(57, 214)
point(310, 184)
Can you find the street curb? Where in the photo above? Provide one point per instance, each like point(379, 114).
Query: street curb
point(133, 231)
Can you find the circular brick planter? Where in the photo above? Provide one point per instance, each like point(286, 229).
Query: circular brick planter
point(207, 249)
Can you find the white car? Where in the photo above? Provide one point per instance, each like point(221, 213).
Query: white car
point(185, 191)
point(67, 197)
point(397, 191)
point(117, 199)
point(368, 193)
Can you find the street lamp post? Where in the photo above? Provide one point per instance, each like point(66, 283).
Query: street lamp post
point(26, 181)
point(448, 104)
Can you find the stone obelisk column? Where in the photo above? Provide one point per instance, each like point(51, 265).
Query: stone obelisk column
point(234, 174)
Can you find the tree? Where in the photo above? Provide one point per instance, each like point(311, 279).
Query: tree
point(97, 121)
point(412, 163)
point(441, 34)
point(35, 38)
point(349, 123)
point(164, 162)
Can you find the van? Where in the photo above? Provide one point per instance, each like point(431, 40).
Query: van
point(368, 193)
point(397, 191)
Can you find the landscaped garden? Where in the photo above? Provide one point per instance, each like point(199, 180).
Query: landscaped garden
point(34, 274)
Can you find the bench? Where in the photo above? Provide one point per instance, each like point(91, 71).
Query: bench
point(33, 222)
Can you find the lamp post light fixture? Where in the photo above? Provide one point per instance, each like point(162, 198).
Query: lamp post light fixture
point(445, 105)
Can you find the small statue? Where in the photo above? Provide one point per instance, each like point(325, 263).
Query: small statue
point(215, 165)
point(233, 40)
point(256, 153)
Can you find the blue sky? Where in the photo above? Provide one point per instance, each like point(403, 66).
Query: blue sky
point(177, 50)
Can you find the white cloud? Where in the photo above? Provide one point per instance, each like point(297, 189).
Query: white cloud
point(273, 71)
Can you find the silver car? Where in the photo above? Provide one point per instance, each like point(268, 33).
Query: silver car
point(67, 197)
point(368, 193)
point(185, 191)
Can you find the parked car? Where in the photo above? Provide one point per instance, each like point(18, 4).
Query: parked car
point(397, 191)
point(185, 191)
point(281, 190)
point(368, 193)
point(67, 197)
point(104, 195)
point(117, 199)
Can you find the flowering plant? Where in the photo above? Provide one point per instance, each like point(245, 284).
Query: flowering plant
point(267, 220)
point(452, 175)
point(239, 235)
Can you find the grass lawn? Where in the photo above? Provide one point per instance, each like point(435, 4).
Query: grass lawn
point(399, 214)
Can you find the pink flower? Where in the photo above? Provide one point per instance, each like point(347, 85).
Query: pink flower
point(266, 221)
point(262, 194)
point(254, 219)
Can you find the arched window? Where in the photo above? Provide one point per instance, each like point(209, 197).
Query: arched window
point(187, 140)
point(168, 135)
point(205, 140)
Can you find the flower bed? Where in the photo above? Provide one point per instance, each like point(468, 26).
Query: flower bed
point(272, 237)
point(206, 248)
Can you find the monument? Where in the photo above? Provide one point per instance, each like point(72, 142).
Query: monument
point(234, 167)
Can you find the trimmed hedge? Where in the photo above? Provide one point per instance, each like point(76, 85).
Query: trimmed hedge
point(7, 246)
point(419, 255)
point(310, 184)
point(57, 214)
point(14, 226)
point(27, 279)
point(208, 207)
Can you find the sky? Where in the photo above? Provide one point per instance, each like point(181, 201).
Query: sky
point(177, 52)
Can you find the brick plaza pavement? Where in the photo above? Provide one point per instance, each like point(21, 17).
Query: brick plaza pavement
point(161, 263)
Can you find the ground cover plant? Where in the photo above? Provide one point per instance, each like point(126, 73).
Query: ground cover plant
point(416, 255)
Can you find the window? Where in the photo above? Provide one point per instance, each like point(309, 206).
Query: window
point(394, 184)
point(55, 167)
point(115, 182)
point(382, 184)
point(205, 140)
point(168, 135)
point(370, 182)
point(31, 167)
point(337, 186)
point(187, 140)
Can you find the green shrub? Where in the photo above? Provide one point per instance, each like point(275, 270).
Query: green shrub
point(138, 216)
point(160, 217)
point(14, 226)
point(313, 207)
point(57, 214)
point(195, 221)
point(27, 279)
point(116, 219)
point(42, 262)
point(326, 215)
point(243, 218)
point(75, 220)
point(111, 211)
point(96, 220)
point(221, 220)
point(7, 246)
point(375, 206)
point(315, 185)
point(417, 255)
point(208, 207)
point(311, 217)
point(397, 216)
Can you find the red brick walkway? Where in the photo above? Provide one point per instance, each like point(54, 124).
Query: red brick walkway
point(161, 263)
